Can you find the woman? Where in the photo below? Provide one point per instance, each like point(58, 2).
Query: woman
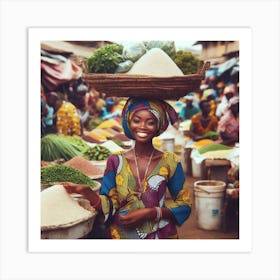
point(203, 124)
point(135, 182)
point(228, 126)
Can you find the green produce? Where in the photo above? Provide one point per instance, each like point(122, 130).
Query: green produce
point(93, 123)
point(105, 59)
point(167, 46)
point(213, 147)
point(213, 135)
point(55, 147)
point(97, 152)
point(77, 140)
point(186, 61)
point(64, 173)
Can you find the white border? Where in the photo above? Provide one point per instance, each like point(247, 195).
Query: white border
point(262, 16)
point(243, 35)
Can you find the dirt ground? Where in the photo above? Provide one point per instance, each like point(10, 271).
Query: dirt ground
point(230, 221)
point(189, 229)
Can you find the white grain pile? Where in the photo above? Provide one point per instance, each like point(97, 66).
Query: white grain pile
point(59, 208)
point(155, 62)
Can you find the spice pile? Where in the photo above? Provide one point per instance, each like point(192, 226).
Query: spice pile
point(84, 166)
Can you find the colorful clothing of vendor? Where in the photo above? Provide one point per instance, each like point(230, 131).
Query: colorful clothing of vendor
point(120, 192)
point(68, 120)
point(199, 129)
point(229, 125)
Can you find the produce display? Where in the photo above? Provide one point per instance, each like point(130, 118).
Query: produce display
point(55, 147)
point(58, 208)
point(219, 154)
point(201, 143)
point(63, 173)
point(213, 135)
point(105, 59)
point(157, 63)
point(84, 166)
point(77, 140)
point(97, 152)
point(213, 147)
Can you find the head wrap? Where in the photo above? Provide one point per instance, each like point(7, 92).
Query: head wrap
point(189, 96)
point(163, 112)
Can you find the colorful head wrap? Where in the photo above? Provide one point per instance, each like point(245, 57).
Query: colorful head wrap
point(163, 112)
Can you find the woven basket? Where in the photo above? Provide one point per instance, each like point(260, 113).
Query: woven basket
point(125, 85)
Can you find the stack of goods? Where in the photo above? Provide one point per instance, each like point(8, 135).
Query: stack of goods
point(55, 147)
point(63, 173)
point(62, 216)
point(153, 74)
point(97, 153)
point(86, 167)
point(215, 151)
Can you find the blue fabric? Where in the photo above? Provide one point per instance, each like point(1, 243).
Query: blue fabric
point(177, 181)
point(181, 213)
point(107, 180)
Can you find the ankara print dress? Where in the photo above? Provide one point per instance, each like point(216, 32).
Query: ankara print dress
point(119, 193)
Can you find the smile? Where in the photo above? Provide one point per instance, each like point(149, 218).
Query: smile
point(142, 134)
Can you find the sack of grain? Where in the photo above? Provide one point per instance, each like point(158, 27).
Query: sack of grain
point(155, 62)
point(59, 209)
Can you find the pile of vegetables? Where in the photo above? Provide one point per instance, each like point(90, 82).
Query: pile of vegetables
point(105, 59)
point(77, 140)
point(63, 173)
point(213, 147)
point(97, 152)
point(58, 147)
point(186, 61)
point(213, 135)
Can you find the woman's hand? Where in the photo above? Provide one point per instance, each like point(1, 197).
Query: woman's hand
point(136, 218)
point(85, 191)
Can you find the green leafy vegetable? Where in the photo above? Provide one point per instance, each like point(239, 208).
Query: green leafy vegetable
point(55, 147)
point(105, 59)
point(64, 173)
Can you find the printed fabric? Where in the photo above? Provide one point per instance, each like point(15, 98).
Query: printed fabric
point(119, 191)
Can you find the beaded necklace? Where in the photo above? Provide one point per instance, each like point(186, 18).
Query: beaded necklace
point(142, 183)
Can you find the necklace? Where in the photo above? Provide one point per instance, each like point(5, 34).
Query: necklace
point(141, 183)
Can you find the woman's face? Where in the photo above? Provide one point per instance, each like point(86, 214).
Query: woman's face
point(143, 126)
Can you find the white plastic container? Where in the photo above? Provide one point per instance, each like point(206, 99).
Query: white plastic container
point(209, 202)
point(196, 169)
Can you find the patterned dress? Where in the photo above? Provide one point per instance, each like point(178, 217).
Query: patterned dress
point(119, 192)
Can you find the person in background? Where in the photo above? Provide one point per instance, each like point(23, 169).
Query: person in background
point(135, 182)
point(228, 126)
point(220, 86)
point(67, 117)
point(210, 95)
point(202, 124)
point(229, 92)
point(189, 109)
point(110, 111)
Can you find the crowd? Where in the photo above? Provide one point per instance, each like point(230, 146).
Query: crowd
point(69, 110)
point(136, 208)
point(213, 110)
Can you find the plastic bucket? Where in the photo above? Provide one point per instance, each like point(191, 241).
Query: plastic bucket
point(209, 203)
